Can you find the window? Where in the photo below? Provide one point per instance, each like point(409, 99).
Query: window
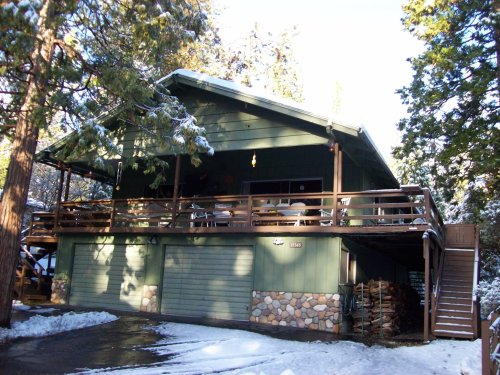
point(312, 185)
point(347, 267)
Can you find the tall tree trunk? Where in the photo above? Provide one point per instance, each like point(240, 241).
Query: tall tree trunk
point(21, 163)
point(495, 12)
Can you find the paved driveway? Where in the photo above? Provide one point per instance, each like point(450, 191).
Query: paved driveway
point(109, 345)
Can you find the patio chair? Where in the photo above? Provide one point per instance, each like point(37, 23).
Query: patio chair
point(198, 213)
point(342, 214)
point(295, 209)
point(221, 214)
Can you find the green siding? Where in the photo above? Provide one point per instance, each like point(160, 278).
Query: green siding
point(272, 164)
point(231, 125)
point(371, 264)
point(311, 268)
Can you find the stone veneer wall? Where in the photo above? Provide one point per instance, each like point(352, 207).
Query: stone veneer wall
point(149, 301)
point(59, 291)
point(302, 310)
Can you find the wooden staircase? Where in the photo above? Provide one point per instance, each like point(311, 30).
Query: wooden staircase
point(455, 306)
point(454, 312)
point(32, 280)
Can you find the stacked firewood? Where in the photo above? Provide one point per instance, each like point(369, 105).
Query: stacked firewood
point(362, 316)
point(386, 311)
point(382, 306)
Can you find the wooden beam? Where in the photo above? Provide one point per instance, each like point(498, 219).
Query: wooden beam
point(176, 188)
point(427, 285)
point(339, 166)
point(59, 196)
point(68, 180)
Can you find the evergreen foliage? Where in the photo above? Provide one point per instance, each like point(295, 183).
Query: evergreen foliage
point(451, 131)
point(451, 135)
point(76, 59)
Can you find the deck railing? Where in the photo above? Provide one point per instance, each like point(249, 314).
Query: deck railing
point(490, 336)
point(309, 212)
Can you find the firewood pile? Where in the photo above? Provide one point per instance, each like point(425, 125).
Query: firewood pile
point(382, 307)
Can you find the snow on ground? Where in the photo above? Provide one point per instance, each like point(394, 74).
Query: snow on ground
point(18, 305)
point(193, 349)
point(203, 350)
point(39, 325)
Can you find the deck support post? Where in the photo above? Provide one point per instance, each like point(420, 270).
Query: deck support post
point(426, 241)
point(176, 188)
point(68, 180)
point(337, 179)
point(59, 196)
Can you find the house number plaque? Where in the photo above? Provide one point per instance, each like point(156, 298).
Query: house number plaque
point(296, 244)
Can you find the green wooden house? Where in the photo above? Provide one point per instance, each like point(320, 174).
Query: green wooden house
point(276, 227)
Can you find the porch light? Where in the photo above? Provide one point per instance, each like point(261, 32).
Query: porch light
point(119, 169)
point(331, 145)
point(254, 160)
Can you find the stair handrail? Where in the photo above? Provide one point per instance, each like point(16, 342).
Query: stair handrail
point(437, 287)
point(42, 268)
point(475, 281)
point(475, 278)
point(28, 265)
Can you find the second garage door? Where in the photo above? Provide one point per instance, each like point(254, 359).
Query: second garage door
point(208, 281)
point(108, 276)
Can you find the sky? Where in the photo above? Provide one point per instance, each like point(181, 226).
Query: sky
point(352, 54)
point(193, 349)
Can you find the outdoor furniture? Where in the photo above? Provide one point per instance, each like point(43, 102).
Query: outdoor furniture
point(295, 209)
point(199, 213)
point(221, 214)
point(331, 214)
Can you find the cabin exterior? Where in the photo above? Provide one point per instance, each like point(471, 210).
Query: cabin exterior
point(291, 211)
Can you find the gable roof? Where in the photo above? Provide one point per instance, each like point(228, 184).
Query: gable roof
point(355, 140)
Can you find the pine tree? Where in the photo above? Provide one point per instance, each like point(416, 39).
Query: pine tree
point(452, 128)
point(76, 59)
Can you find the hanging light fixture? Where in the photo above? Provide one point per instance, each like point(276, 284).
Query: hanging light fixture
point(119, 170)
point(254, 160)
point(331, 145)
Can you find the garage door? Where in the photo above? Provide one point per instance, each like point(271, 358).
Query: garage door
point(108, 276)
point(208, 281)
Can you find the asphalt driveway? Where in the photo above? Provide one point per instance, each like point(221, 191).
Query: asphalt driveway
point(108, 345)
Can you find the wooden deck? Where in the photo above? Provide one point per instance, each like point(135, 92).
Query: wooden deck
point(377, 211)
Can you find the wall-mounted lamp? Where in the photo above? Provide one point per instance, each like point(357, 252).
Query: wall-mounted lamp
point(119, 170)
point(278, 242)
point(153, 240)
point(254, 160)
point(331, 145)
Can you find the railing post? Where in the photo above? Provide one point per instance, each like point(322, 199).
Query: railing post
point(427, 202)
point(30, 230)
point(249, 208)
point(176, 189)
point(426, 241)
point(485, 348)
point(112, 214)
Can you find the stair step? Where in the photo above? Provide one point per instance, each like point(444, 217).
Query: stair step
point(454, 334)
point(35, 297)
point(455, 293)
point(453, 319)
point(451, 287)
point(453, 300)
point(457, 282)
point(441, 311)
point(452, 271)
point(457, 251)
point(454, 327)
point(454, 306)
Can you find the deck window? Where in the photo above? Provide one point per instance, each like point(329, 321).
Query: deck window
point(347, 267)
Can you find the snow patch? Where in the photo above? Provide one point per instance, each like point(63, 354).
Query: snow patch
point(38, 325)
